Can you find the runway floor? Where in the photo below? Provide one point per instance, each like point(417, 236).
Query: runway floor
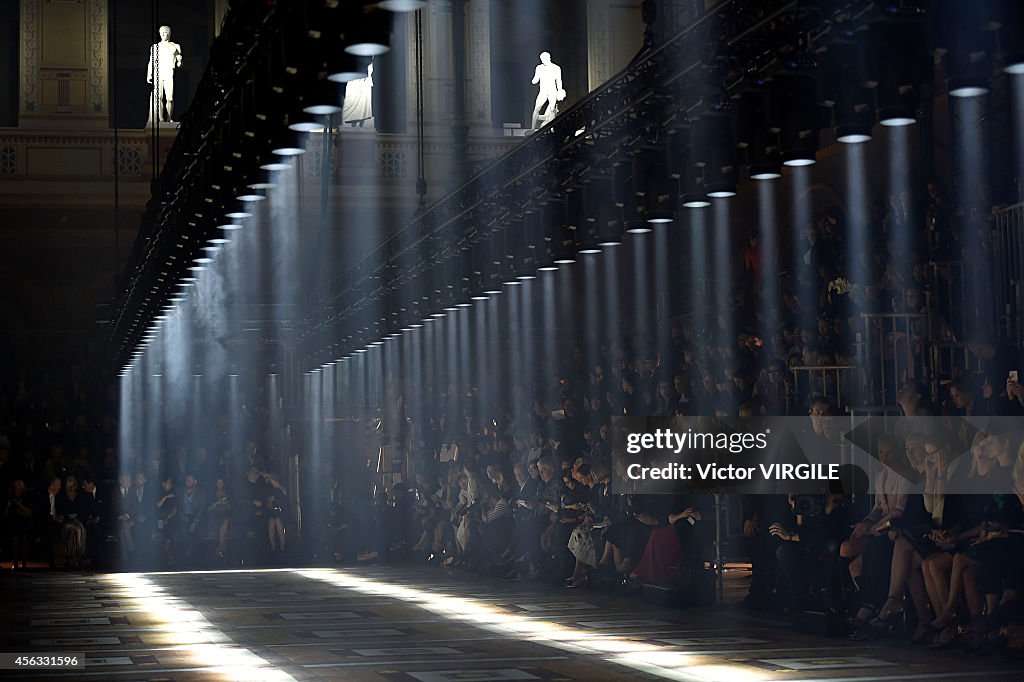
point(399, 625)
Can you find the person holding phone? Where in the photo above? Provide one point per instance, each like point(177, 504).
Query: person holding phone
point(1014, 392)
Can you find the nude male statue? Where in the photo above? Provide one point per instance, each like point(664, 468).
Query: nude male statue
point(549, 76)
point(164, 58)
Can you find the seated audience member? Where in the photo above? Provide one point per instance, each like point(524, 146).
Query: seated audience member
point(976, 511)
point(598, 507)
point(168, 518)
point(496, 524)
point(868, 550)
point(144, 517)
point(676, 541)
point(908, 533)
point(809, 552)
point(630, 528)
point(17, 520)
point(52, 524)
point(71, 511)
point(92, 515)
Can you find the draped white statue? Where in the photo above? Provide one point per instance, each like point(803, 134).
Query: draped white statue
point(164, 58)
point(358, 110)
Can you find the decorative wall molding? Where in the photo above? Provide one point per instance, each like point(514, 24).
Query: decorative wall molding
point(479, 67)
point(394, 164)
point(81, 88)
point(599, 42)
point(29, 55)
point(8, 160)
point(98, 56)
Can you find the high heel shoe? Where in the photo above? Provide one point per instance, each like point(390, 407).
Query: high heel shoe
point(888, 620)
point(887, 615)
point(944, 637)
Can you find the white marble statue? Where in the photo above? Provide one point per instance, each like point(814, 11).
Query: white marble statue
point(548, 76)
point(358, 109)
point(164, 58)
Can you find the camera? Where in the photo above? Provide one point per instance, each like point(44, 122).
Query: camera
point(809, 505)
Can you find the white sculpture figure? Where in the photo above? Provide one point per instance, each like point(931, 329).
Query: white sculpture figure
point(358, 110)
point(549, 76)
point(164, 58)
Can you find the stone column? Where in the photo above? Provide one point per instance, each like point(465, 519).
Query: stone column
point(615, 32)
point(63, 57)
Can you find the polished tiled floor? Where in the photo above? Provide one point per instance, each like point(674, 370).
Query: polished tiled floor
point(407, 625)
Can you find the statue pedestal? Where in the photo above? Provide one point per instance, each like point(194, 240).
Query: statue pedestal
point(163, 125)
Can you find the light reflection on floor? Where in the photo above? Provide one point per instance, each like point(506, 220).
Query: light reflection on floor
point(184, 629)
point(649, 658)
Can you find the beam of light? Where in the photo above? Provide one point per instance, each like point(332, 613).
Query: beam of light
point(804, 279)
point(612, 311)
point(463, 358)
point(482, 315)
point(858, 249)
point(701, 285)
point(550, 284)
point(183, 628)
point(900, 182)
point(969, 138)
point(514, 347)
point(525, 319)
point(662, 291)
point(655, 659)
point(1017, 111)
point(723, 275)
point(591, 314)
point(642, 328)
point(771, 301)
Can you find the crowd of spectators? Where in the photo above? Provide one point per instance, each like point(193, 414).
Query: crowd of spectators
point(516, 483)
point(526, 493)
point(71, 501)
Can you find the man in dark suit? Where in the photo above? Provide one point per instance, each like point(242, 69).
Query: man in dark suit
point(144, 512)
point(49, 519)
point(124, 513)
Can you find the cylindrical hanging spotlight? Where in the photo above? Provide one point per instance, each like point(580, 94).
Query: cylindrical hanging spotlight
point(897, 63)
point(720, 159)
point(657, 193)
point(795, 104)
point(325, 98)
point(625, 198)
point(970, 45)
point(399, 6)
point(343, 67)
point(843, 90)
point(368, 30)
